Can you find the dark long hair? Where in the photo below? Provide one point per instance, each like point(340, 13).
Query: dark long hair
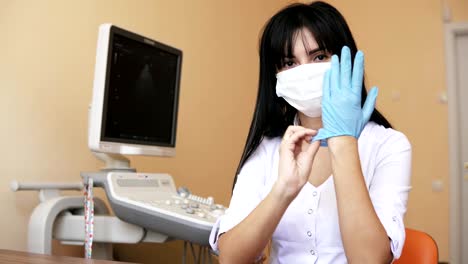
point(273, 114)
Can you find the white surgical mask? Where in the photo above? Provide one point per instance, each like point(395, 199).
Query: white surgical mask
point(301, 87)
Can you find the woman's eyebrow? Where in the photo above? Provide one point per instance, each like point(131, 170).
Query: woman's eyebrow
point(314, 51)
point(291, 56)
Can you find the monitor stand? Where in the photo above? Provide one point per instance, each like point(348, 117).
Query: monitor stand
point(114, 162)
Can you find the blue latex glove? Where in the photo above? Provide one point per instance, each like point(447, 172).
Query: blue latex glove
point(342, 114)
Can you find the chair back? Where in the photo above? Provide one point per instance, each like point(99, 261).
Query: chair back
point(419, 248)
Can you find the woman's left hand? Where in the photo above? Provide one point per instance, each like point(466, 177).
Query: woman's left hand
point(295, 160)
point(342, 114)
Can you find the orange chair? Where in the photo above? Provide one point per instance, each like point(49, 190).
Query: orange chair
point(419, 248)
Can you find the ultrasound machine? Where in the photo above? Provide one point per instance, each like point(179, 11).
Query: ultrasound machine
point(133, 112)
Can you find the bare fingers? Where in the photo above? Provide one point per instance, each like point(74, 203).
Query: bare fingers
point(295, 134)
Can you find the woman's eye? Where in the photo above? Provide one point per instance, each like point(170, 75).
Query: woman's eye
point(320, 57)
point(288, 64)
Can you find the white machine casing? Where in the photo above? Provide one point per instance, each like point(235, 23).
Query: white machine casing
point(150, 200)
point(95, 142)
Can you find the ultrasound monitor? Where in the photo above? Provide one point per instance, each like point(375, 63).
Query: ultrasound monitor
point(135, 95)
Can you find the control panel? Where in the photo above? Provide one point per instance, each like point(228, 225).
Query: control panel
point(152, 201)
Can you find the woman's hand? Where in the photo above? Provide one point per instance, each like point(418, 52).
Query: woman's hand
point(296, 155)
point(342, 114)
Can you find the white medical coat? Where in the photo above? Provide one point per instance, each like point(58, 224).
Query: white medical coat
point(309, 231)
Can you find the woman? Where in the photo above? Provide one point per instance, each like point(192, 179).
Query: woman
point(323, 177)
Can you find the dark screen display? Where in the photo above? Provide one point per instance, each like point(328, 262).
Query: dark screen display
point(140, 101)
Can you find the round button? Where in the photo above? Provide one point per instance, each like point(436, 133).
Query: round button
point(309, 233)
point(200, 214)
point(312, 252)
point(314, 193)
point(310, 211)
point(210, 200)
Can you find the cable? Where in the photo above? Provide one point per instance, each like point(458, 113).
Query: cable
point(89, 217)
point(210, 259)
point(195, 259)
point(200, 254)
point(203, 256)
point(184, 256)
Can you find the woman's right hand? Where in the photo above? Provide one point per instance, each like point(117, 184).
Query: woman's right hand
point(296, 155)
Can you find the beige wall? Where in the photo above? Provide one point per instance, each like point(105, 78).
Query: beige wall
point(47, 53)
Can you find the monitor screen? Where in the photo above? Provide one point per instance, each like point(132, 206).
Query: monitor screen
point(139, 97)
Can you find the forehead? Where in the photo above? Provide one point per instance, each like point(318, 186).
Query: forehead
point(303, 41)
